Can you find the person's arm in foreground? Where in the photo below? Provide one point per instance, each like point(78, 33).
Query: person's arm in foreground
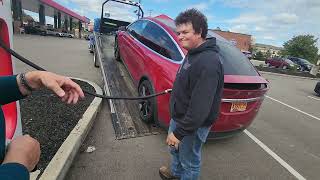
point(24, 152)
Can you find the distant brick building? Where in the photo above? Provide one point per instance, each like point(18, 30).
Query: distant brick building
point(242, 41)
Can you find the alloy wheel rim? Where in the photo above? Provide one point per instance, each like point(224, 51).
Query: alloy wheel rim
point(145, 105)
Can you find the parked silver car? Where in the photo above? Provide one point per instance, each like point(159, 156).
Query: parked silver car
point(52, 32)
point(65, 34)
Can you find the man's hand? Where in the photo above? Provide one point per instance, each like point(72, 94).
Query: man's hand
point(62, 86)
point(23, 150)
point(173, 141)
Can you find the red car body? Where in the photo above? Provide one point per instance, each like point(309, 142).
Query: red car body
point(277, 62)
point(11, 111)
point(144, 63)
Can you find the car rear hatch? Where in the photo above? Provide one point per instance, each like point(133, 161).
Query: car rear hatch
point(241, 100)
point(244, 90)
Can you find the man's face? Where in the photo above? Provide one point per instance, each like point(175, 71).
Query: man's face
point(187, 36)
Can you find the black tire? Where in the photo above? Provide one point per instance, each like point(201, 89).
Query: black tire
point(317, 89)
point(147, 108)
point(91, 49)
point(95, 59)
point(116, 51)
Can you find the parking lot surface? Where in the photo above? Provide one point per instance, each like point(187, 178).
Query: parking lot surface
point(282, 143)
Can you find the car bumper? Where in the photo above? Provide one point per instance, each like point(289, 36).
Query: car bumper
point(221, 135)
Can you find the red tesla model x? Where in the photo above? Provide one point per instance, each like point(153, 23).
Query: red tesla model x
point(151, 52)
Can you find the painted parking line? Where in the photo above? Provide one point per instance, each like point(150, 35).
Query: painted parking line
point(314, 98)
point(310, 115)
point(275, 156)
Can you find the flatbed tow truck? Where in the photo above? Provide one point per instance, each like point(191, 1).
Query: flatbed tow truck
point(117, 81)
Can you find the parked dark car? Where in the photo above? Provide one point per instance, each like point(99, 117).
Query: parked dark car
point(35, 30)
point(152, 53)
point(302, 63)
point(317, 88)
point(279, 62)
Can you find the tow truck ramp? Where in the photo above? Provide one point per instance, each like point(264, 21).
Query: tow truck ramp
point(125, 114)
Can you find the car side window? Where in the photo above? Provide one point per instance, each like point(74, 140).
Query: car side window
point(136, 28)
point(159, 41)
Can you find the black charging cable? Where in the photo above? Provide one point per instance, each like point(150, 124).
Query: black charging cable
point(26, 61)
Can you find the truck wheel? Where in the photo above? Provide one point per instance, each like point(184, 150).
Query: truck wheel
point(147, 108)
point(91, 49)
point(95, 59)
point(317, 89)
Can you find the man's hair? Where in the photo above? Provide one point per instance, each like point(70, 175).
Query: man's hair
point(196, 18)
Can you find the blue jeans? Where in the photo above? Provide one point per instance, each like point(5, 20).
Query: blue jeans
point(186, 161)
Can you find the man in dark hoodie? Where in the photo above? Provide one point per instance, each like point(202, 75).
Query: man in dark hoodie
point(195, 98)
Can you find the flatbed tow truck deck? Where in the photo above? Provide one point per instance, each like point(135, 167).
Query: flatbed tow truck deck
point(117, 82)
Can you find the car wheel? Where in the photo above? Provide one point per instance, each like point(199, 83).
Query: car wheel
point(116, 51)
point(268, 65)
point(317, 89)
point(95, 59)
point(90, 49)
point(147, 108)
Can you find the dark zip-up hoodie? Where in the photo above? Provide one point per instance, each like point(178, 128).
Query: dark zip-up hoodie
point(197, 91)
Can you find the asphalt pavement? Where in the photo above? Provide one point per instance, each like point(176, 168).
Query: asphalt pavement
point(66, 56)
point(282, 143)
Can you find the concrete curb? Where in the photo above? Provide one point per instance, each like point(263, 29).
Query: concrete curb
point(286, 75)
point(62, 160)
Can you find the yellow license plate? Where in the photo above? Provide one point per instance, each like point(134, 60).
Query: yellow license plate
point(238, 107)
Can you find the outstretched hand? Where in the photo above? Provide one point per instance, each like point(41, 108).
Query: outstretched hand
point(62, 86)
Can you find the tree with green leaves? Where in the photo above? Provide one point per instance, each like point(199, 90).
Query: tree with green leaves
point(268, 54)
point(259, 56)
point(302, 46)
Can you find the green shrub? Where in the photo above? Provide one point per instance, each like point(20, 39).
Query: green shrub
point(293, 68)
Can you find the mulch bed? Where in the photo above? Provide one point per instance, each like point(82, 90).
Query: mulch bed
point(284, 71)
point(45, 117)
